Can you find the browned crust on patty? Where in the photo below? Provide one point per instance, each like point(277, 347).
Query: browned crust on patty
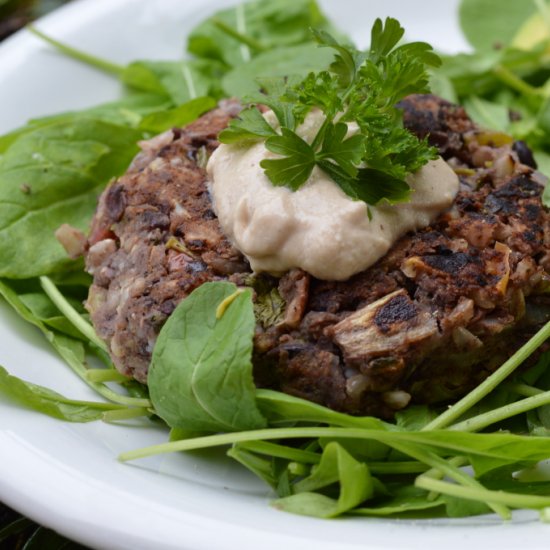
point(426, 323)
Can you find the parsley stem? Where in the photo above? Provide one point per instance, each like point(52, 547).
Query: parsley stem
point(93, 61)
point(243, 38)
point(317, 140)
point(489, 384)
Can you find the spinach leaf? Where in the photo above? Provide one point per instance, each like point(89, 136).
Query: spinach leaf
point(71, 350)
point(488, 114)
point(265, 25)
point(160, 121)
point(489, 23)
point(281, 408)
point(127, 111)
point(44, 310)
point(336, 466)
point(53, 175)
point(179, 81)
point(51, 403)
point(201, 372)
point(290, 61)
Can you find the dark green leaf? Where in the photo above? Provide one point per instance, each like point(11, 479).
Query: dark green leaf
point(201, 371)
point(384, 37)
point(61, 168)
point(347, 61)
point(346, 152)
point(250, 125)
point(177, 117)
point(294, 169)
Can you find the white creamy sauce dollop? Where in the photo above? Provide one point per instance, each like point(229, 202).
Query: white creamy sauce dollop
point(317, 228)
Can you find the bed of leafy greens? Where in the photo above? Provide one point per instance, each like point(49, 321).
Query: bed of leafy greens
point(475, 457)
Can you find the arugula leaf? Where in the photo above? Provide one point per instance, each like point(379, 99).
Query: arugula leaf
point(336, 466)
point(295, 167)
point(195, 381)
point(249, 125)
point(403, 500)
point(51, 403)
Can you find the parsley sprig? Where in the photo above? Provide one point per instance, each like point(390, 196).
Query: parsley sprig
point(361, 87)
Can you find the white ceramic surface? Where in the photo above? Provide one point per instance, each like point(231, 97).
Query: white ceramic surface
point(66, 475)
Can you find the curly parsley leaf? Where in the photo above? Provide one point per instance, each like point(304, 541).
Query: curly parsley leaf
point(297, 163)
point(384, 37)
point(347, 60)
point(250, 125)
point(273, 96)
point(359, 87)
point(346, 152)
point(370, 185)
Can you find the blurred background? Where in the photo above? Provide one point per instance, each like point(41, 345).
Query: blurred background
point(15, 14)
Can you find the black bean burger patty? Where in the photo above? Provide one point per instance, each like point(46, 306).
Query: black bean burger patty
point(428, 322)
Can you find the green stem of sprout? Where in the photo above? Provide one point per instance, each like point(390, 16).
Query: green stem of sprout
point(481, 421)
point(487, 386)
point(125, 414)
point(70, 313)
point(101, 64)
point(449, 469)
point(242, 38)
point(513, 500)
point(506, 76)
point(105, 375)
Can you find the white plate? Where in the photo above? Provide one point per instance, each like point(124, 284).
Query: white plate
point(66, 475)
